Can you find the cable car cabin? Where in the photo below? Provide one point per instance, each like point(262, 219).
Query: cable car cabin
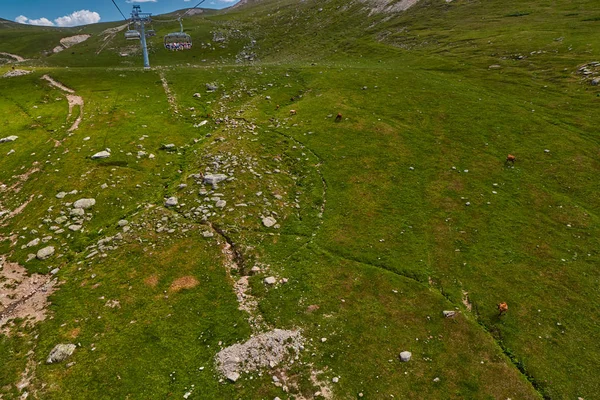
point(132, 35)
point(178, 41)
point(151, 32)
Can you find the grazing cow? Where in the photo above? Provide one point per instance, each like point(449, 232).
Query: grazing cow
point(510, 159)
point(338, 118)
point(503, 308)
point(277, 107)
point(292, 112)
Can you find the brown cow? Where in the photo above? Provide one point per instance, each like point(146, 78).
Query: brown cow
point(503, 308)
point(338, 118)
point(292, 112)
point(510, 159)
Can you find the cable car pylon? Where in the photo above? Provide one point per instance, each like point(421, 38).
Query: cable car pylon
point(138, 18)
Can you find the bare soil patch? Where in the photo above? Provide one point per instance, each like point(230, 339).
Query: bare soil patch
point(22, 296)
point(185, 282)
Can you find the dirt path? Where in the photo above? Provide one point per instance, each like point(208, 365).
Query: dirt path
point(170, 95)
point(73, 100)
point(16, 57)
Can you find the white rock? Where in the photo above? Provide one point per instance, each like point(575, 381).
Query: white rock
point(60, 352)
point(213, 179)
point(405, 356)
point(269, 221)
point(9, 139)
point(171, 202)
point(449, 314)
point(75, 227)
point(101, 154)
point(45, 253)
point(234, 376)
point(270, 280)
point(61, 195)
point(84, 203)
point(33, 243)
point(123, 223)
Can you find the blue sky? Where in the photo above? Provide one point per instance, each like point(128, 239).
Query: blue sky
point(79, 12)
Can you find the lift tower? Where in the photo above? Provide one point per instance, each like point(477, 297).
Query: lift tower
point(139, 19)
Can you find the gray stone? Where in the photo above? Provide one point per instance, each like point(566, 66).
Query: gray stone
point(75, 227)
point(101, 154)
point(171, 202)
point(45, 253)
point(74, 212)
point(270, 280)
point(123, 223)
point(595, 81)
point(213, 179)
point(207, 234)
point(233, 376)
point(449, 314)
point(60, 195)
point(269, 221)
point(211, 87)
point(84, 203)
point(9, 139)
point(405, 356)
point(169, 146)
point(221, 204)
point(60, 352)
point(33, 243)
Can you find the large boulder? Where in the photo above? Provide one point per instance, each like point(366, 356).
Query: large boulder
point(60, 352)
point(84, 203)
point(45, 253)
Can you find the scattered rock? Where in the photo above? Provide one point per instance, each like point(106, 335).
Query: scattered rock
point(60, 352)
point(405, 356)
point(45, 253)
point(269, 221)
point(123, 223)
point(74, 212)
point(84, 203)
point(8, 139)
point(233, 376)
point(171, 202)
point(75, 227)
point(61, 195)
point(261, 351)
point(213, 179)
point(211, 87)
point(207, 234)
point(221, 204)
point(33, 243)
point(101, 154)
point(270, 280)
point(449, 314)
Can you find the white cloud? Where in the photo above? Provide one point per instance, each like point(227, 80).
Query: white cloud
point(81, 17)
point(40, 22)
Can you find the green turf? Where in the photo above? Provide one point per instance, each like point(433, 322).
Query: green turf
point(382, 240)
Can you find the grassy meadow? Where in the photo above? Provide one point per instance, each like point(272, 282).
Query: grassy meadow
point(401, 210)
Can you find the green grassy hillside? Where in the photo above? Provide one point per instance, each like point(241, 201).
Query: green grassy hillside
point(384, 218)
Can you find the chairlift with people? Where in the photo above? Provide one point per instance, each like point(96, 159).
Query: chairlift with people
point(180, 40)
